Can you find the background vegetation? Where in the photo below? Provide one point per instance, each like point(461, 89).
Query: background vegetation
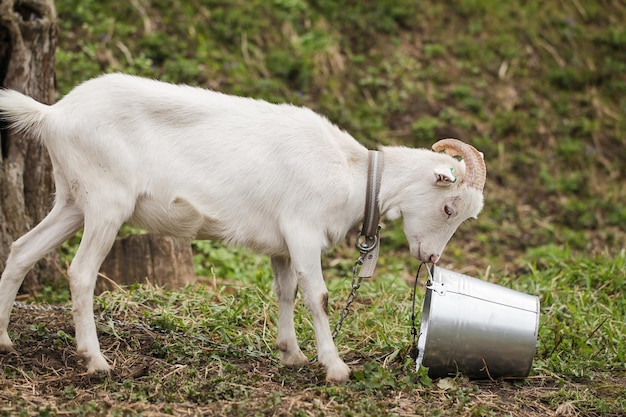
point(539, 87)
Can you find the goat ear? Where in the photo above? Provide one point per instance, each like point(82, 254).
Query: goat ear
point(444, 175)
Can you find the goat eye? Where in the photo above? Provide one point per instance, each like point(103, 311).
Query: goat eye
point(449, 212)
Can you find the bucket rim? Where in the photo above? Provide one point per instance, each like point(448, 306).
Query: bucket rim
point(439, 273)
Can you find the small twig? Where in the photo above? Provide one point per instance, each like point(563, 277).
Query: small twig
point(177, 368)
point(112, 282)
point(127, 54)
point(552, 51)
point(596, 329)
point(141, 9)
point(580, 9)
point(591, 335)
point(558, 343)
point(486, 369)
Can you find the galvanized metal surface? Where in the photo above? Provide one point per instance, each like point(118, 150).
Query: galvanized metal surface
point(476, 327)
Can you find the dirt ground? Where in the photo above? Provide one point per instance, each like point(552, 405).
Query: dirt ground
point(45, 377)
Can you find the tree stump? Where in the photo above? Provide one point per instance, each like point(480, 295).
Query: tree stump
point(28, 37)
point(155, 259)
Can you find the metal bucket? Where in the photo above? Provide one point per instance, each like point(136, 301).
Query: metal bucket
point(480, 329)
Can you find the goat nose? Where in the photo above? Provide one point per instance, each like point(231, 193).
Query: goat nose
point(434, 258)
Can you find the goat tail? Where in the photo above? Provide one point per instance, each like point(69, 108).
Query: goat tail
point(22, 113)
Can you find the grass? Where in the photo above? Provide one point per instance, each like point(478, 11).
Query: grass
point(538, 87)
point(209, 350)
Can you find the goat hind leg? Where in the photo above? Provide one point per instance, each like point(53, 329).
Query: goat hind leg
point(98, 237)
point(58, 226)
point(286, 285)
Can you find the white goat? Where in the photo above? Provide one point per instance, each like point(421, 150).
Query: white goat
point(198, 164)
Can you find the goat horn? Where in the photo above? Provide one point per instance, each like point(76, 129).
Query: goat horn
point(476, 171)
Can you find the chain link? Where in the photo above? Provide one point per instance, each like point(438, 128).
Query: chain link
point(356, 284)
point(32, 307)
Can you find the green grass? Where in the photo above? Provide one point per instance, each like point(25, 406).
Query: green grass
point(538, 87)
point(213, 348)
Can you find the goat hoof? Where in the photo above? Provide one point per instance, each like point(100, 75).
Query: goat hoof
point(104, 369)
point(6, 346)
point(7, 349)
point(98, 364)
point(338, 374)
point(294, 359)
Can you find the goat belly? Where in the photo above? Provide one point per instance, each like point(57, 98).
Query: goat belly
point(178, 218)
point(181, 220)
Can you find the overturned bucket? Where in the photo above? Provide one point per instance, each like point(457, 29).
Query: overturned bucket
point(478, 328)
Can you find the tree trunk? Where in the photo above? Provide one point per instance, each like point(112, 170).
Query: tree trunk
point(28, 37)
point(156, 259)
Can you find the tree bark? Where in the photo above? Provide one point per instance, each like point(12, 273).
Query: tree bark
point(155, 259)
point(28, 37)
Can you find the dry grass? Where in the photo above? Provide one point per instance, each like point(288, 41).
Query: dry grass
point(184, 371)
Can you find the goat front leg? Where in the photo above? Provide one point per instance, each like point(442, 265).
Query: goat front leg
point(286, 287)
point(98, 237)
point(58, 226)
point(307, 266)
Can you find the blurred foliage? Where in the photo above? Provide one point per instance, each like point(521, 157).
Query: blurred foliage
point(538, 87)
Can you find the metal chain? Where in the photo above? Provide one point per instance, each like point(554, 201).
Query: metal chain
point(31, 307)
point(414, 350)
point(356, 284)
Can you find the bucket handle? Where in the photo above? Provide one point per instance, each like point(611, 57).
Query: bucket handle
point(438, 287)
